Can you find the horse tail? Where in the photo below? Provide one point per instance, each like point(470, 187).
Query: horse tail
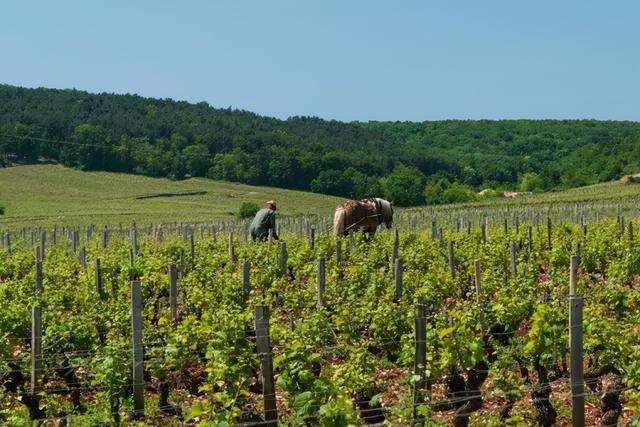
point(339, 219)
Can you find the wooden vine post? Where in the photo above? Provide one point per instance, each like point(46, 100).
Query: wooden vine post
point(36, 327)
point(43, 242)
point(39, 274)
point(74, 240)
point(577, 376)
point(98, 278)
point(232, 253)
point(36, 347)
point(476, 276)
point(7, 244)
point(312, 238)
point(105, 237)
point(420, 361)
point(396, 245)
point(131, 258)
point(82, 258)
point(137, 350)
point(573, 274)
point(397, 278)
point(452, 260)
point(134, 242)
point(173, 292)
point(266, 365)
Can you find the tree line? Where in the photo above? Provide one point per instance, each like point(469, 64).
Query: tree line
point(408, 162)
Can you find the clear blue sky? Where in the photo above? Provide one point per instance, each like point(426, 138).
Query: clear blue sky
point(340, 59)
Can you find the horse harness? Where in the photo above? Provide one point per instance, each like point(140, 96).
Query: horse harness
point(379, 213)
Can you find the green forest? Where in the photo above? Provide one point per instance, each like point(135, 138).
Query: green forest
point(411, 163)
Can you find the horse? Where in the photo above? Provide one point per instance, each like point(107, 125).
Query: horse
point(364, 215)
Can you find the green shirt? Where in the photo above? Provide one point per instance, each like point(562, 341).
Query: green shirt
point(264, 220)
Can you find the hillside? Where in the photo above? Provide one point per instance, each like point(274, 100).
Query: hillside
point(166, 138)
point(613, 191)
point(53, 194)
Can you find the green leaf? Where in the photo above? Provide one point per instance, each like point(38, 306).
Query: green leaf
point(195, 411)
point(375, 401)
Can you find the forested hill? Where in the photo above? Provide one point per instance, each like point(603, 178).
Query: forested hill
point(435, 161)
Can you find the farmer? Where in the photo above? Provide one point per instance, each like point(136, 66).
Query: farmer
point(264, 221)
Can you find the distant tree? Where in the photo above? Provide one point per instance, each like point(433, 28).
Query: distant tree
point(88, 148)
point(439, 191)
point(283, 168)
point(611, 169)
point(247, 210)
point(530, 181)
point(434, 190)
point(404, 185)
point(23, 143)
point(235, 166)
point(551, 176)
point(332, 182)
point(124, 153)
point(178, 167)
point(458, 193)
point(197, 159)
point(150, 136)
point(574, 178)
point(177, 141)
point(470, 176)
point(225, 167)
point(362, 185)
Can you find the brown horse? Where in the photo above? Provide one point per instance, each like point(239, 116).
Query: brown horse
point(362, 215)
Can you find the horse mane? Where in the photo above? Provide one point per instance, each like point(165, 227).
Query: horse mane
point(386, 211)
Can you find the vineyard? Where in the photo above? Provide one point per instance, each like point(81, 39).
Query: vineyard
point(465, 317)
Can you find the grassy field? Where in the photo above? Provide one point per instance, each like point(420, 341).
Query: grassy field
point(614, 190)
point(53, 194)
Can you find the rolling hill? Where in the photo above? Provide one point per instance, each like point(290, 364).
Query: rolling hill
point(173, 139)
point(53, 194)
